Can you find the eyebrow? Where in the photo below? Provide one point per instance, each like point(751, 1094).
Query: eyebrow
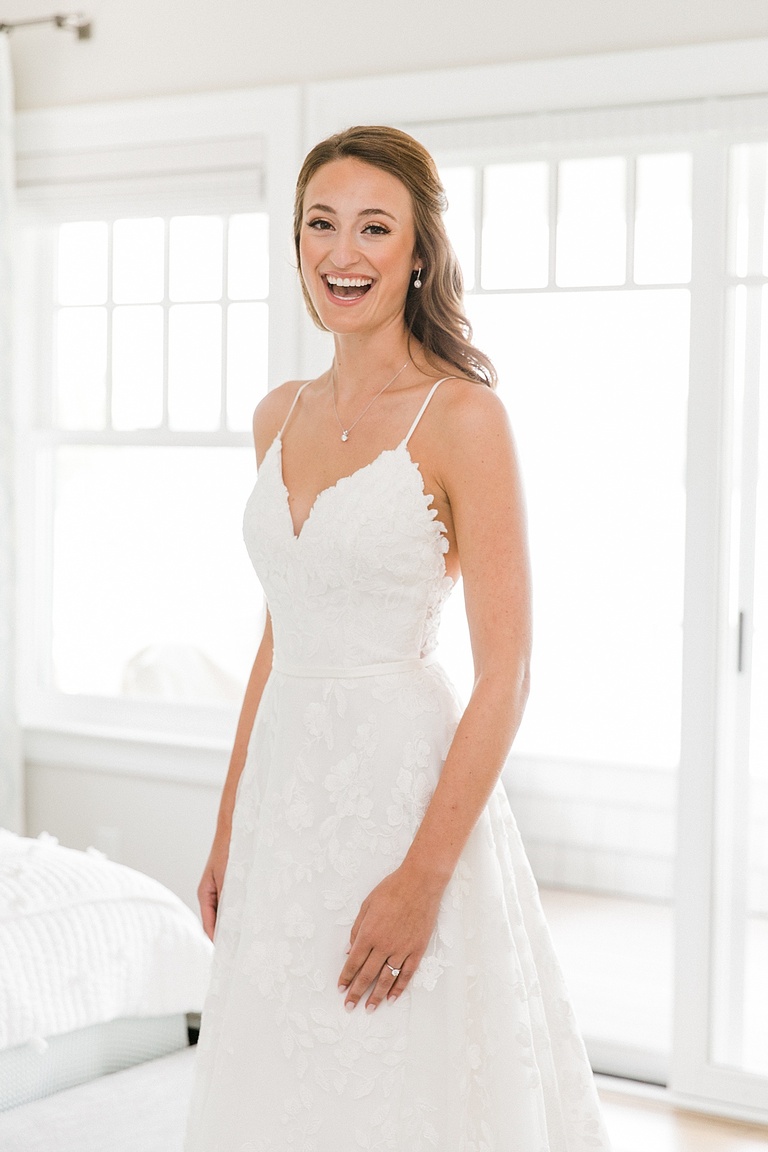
point(365, 211)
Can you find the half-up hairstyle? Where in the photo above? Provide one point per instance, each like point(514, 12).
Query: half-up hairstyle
point(433, 313)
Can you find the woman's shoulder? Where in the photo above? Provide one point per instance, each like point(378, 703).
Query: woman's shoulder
point(473, 444)
point(468, 407)
point(270, 414)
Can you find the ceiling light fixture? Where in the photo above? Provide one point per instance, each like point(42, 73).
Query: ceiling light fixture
point(72, 21)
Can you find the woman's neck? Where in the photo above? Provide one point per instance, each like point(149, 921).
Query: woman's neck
point(366, 361)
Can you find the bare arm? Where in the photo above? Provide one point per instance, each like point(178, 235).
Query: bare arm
point(253, 692)
point(482, 481)
point(209, 888)
point(489, 518)
point(266, 421)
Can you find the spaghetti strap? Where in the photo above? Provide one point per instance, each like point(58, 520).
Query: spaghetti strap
point(293, 405)
point(421, 411)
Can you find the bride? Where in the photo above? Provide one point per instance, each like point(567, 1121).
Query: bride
point(383, 976)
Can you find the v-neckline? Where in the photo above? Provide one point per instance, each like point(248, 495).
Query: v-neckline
point(298, 536)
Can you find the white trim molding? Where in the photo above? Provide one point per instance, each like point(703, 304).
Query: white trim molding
point(612, 79)
point(700, 72)
point(129, 753)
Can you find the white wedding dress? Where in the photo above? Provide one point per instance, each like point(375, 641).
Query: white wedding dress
point(481, 1053)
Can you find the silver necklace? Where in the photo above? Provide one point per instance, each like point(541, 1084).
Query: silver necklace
point(346, 431)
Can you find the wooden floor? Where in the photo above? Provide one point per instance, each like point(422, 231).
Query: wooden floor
point(638, 1125)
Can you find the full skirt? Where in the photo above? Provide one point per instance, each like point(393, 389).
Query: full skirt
point(481, 1053)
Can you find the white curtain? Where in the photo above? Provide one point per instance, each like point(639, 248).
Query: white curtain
point(10, 740)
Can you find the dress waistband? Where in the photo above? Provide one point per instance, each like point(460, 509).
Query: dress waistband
point(384, 669)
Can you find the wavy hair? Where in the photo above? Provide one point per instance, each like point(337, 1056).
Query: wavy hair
point(433, 313)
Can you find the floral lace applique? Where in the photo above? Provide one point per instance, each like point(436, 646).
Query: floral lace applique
point(481, 1052)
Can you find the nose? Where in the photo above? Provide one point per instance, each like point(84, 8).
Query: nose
point(344, 252)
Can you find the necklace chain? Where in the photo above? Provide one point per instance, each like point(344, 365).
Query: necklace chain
point(346, 431)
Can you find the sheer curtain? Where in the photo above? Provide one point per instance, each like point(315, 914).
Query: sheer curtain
point(10, 742)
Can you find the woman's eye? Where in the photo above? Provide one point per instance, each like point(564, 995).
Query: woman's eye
point(376, 229)
point(320, 225)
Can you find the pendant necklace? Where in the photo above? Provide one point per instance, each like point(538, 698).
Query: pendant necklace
point(346, 431)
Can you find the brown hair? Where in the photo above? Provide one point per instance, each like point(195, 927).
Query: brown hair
point(433, 313)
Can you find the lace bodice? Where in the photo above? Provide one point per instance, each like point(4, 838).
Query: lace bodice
point(365, 579)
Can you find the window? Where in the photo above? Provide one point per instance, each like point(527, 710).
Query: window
point(160, 354)
point(578, 270)
point(151, 352)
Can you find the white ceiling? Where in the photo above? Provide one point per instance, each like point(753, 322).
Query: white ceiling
point(157, 47)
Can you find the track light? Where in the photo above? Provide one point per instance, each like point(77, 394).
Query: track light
point(72, 21)
point(75, 22)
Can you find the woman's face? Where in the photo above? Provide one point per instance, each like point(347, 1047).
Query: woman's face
point(357, 245)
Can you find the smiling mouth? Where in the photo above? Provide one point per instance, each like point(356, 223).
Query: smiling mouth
point(348, 287)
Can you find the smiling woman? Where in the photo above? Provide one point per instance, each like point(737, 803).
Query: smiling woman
point(414, 195)
point(365, 849)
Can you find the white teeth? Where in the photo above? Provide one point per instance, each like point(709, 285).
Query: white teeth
point(346, 282)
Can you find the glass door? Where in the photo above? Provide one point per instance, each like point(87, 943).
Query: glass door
point(623, 295)
point(577, 271)
point(738, 1035)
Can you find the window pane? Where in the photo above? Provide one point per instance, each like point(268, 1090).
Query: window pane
point(459, 184)
point(596, 386)
point(516, 226)
point(137, 366)
point(152, 588)
point(196, 258)
point(81, 368)
point(739, 999)
point(591, 410)
point(137, 261)
point(591, 221)
point(663, 219)
point(246, 361)
point(248, 256)
point(194, 366)
point(82, 263)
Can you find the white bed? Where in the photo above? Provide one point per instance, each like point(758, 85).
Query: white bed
point(142, 1109)
point(99, 967)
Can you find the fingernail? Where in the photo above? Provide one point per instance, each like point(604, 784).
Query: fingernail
point(342, 987)
point(370, 1007)
point(391, 997)
point(347, 950)
point(350, 1005)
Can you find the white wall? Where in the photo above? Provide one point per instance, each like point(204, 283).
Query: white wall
point(160, 827)
point(154, 47)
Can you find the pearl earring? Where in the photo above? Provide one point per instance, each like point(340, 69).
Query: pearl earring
point(417, 281)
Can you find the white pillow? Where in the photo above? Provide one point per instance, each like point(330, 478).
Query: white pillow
point(84, 940)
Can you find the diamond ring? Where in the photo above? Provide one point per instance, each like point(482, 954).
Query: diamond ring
point(395, 971)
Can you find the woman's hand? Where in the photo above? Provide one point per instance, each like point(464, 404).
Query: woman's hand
point(394, 925)
point(209, 888)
